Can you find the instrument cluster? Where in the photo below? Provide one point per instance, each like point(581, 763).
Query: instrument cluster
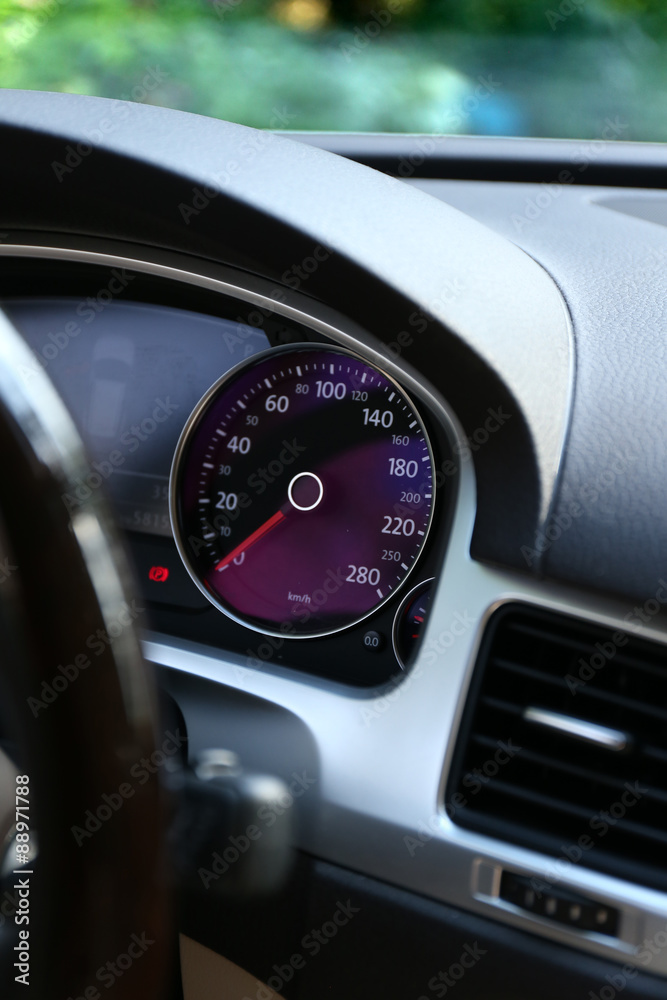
point(278, 491)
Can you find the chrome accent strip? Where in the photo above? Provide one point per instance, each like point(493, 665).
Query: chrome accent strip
point(579, 729)
point(486, 886)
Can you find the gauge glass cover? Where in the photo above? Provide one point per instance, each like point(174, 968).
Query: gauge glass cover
point(302, 491)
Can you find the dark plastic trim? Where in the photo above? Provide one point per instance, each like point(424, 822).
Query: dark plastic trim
point(394, 945)
point(497, 158)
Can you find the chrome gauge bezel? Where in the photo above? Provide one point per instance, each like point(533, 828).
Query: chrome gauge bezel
point(405, 603)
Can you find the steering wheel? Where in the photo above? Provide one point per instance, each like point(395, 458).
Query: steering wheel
point(84, 903)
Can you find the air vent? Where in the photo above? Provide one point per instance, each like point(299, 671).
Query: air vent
point(563, 745)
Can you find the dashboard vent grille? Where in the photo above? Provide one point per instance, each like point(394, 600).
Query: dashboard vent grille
point(563, 745)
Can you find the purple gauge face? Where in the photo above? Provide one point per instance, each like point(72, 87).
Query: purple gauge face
point(302, 491)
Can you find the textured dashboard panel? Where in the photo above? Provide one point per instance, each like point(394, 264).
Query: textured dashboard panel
point(608, 526)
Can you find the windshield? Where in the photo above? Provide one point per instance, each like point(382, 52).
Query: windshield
point(559, 68)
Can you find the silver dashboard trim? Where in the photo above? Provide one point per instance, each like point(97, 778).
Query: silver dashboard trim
point(377, 807)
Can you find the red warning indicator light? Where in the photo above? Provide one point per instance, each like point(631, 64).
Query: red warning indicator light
point(158, 574)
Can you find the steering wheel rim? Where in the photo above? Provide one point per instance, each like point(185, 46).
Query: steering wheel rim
point(84, 710)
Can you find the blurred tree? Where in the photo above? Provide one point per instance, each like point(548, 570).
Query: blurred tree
point(559, 67)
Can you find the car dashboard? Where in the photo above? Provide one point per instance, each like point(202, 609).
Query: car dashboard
point(479, 750)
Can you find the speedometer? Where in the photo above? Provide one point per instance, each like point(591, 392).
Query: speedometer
point(302, 491)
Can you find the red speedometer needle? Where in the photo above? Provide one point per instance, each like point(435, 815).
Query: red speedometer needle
point(251, 539)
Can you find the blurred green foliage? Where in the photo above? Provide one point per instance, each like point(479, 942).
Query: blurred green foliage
point(522, 67)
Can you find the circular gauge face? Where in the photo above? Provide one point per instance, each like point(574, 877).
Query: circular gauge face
point(409, 622)
point(302, 491)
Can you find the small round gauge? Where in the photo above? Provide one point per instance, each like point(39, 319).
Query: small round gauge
point(302, 490)
point(409, 622)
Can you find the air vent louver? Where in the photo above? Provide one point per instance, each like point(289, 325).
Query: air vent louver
point(595, 796)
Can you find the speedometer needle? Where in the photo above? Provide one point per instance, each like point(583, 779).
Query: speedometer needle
point(250, 540)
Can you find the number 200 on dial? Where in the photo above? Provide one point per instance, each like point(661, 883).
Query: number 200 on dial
point(302, 491)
